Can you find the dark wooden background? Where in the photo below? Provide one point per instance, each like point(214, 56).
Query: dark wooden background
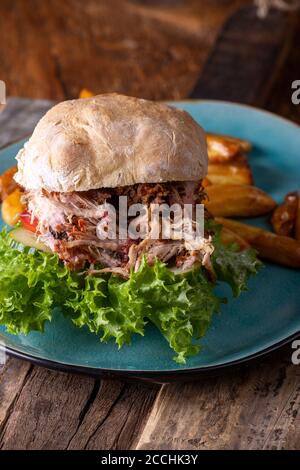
point(155, 49)
point(151, 48)
point(159, 49)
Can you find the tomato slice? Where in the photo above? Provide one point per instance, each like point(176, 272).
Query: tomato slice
point(25, 218)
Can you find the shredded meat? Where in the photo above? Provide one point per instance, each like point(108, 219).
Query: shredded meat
point(69, 224)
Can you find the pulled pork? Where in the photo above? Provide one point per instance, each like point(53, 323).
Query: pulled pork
point(68, 223)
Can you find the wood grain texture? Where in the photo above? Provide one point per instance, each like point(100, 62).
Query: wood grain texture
point(116, 417)
point(279, 99)
point(134, 47)
point(19, 118)
point(43, 409)
point(47, 411)
point(13, 376)
point(154, 51)
point(238, 68)
point(255, 408)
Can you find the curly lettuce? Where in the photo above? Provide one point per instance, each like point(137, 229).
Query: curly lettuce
point(181, 306)
point(232, 265)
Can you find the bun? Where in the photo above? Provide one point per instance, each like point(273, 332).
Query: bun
point(111, 140)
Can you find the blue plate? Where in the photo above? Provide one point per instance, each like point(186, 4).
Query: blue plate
point(260, 320)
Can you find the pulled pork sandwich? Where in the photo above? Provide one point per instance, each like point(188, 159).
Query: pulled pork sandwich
point(83, 155)
point(86, 153)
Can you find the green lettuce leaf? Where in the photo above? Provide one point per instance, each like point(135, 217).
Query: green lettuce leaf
point(232, 265)
point(181, 306)
point(31, 284)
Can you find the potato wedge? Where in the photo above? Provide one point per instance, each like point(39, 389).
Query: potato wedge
point(7, 183)
point(223, 148)
point(244, 145)
point(272, 247)
point(284, 216)
point(228, 237)
point(236, 200)
point(297, 223)
point(236, 172)
point(12, 206)
point(85, 93)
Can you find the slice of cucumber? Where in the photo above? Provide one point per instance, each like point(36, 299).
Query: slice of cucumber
point(186, 271)
point(27, 238)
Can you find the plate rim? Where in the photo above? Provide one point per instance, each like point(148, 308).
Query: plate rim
point(158, 376)
point(166, 375)
point(240, 105)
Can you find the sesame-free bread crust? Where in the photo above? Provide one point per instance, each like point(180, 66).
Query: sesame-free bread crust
point(111, 140)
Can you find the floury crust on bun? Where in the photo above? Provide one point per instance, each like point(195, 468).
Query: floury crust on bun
point(109, 141)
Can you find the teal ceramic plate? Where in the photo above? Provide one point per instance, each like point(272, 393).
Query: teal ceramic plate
point(263, 318)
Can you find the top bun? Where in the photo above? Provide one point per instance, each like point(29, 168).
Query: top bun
point(108, 141)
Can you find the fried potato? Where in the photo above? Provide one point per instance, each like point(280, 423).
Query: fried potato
point(223, 148)
point(85, 93)
point(270, 246)
point(297, 223)
point(236, 200)
point(235, 172)
point(284, 216)
point(245, 145)
point(7, 183)
point(228, 237)
point(12, 206)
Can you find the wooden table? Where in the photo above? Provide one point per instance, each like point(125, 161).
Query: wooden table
point(158, 52)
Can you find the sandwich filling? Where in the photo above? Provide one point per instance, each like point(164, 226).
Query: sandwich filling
point(69, 224)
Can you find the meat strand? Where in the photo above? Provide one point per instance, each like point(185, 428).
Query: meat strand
point(68, 225)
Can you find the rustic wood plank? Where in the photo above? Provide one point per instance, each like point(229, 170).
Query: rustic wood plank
point(117, 45)
point(286, 431)
point(247, 49)
point(19, 118)
point(279, 100)
point(43, 409)
point(237, 411)
point(47, 411)
point(13, 376)
point(116, 417)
